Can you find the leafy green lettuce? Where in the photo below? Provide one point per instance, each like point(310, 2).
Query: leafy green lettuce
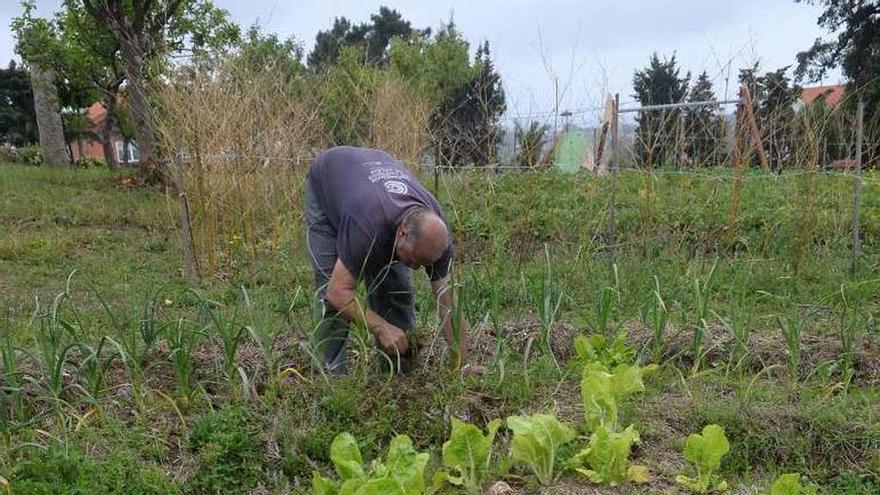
point(402, 473)
point(789, 484)
point(607, 457)
point(535, 442)
point(601, 391)
point(468, 452)
point(598, 349)
point(706, 451)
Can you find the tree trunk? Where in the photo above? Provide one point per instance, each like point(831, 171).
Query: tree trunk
point(48, 110)
point(107, 130)
point(140, 110)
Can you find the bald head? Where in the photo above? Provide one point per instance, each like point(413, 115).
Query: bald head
point(422, 238)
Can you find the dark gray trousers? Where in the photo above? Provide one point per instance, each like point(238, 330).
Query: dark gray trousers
point(389, 293)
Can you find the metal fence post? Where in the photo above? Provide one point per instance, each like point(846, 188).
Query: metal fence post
point(615, 163)
point(857, 189)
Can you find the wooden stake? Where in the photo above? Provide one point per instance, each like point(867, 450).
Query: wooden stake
point(857, 189)
point(753, 125)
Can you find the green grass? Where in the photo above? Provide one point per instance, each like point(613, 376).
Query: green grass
point(213, 391)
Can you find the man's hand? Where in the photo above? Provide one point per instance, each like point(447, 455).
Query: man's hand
point(340, 295)
point(391, 339)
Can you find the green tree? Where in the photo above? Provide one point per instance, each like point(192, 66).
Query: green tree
point(259, 51)
point(854, 47)
point(467, 96)
point(704, 129)
point(776, 117)
point(530, 143)
point(146, 32)
point(347, 86)
point(37, 43)
point(373, 39)
point(329, 43)
point(386, 25)
point(467, 129)
point(18, 122)
point(659, 132)
point(773, 104)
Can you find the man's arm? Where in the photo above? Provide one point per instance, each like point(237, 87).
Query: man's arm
point(340, 295)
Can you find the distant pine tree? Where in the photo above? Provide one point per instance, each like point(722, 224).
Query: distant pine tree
point(658, 133)
point(704, 127)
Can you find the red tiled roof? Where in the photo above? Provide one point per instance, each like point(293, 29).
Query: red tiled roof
point(96, 115)
point(833, 94)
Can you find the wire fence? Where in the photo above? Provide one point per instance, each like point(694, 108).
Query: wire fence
point(235, 171)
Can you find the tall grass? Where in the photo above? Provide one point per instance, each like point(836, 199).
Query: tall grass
point(790, 326)
point(547, 293)
point(702, 298)
point(658, 316)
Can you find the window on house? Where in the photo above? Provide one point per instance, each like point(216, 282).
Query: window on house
point(134, 155)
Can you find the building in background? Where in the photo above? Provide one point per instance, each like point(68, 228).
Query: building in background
point(90, 147)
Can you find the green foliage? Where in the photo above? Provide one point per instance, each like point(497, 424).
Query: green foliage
point(437, 67)
point(601, 392)
point(88, 162)
point(31, 155)
point(63, 470)
point(266, 51)
point(468, 452)
point(853, 47)
point(467, 95)
point(531, 143)
point(704, 126)
point(607, 457)
point(599, 349)
point(18, 122)
point(402, 473)
point(791, 332)
point(371, 40)
point(705, 451)
point(536, 441)
point(789, 484)
point(347, 85)
point(228, 452)
point(658, 83)
point(657, 316)
point(773, 104)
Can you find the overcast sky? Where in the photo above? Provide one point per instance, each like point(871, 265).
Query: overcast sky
point(590, 47)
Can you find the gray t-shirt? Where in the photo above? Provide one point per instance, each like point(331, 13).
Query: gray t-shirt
point(364, 193)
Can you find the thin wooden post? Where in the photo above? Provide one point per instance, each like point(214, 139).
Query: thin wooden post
point(190, 270)
point(753, 124)
point(857, 189)
point(615, 163)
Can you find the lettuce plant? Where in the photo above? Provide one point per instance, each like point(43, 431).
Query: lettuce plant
point(706, 451)
point(402, 473)
point(607, 457)
point(601, 391)
point(535, 442)
point(597, 348)
point(789, 484)
point(467, 453)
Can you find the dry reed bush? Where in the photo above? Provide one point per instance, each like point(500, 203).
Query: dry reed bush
point(240, 141)
point(399, 121)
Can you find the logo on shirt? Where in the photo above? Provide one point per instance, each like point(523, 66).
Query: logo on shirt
point(395, 187)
